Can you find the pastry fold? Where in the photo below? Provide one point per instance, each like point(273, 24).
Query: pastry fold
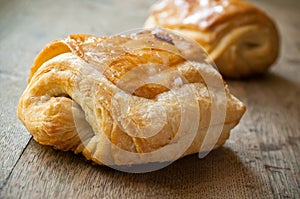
point(118, 99)
point(240, 38)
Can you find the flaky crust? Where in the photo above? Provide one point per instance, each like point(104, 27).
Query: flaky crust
point(240, 38)
point(71, 103)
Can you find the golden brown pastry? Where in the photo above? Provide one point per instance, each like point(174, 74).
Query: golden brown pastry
point(119, 99)
point(239, 37)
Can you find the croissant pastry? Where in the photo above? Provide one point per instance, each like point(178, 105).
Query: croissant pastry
point(126, 100)
point(240, 38)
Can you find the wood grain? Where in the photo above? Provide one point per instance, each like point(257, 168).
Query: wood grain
point(47, 173)
point(260, 160)
point(272, 119)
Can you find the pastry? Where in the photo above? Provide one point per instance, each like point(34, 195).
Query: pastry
point(241, 39)
point(119, 99)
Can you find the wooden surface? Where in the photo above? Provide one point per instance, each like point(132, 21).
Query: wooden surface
point(260, 160)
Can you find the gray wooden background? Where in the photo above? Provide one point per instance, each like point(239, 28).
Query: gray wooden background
point(261, 159)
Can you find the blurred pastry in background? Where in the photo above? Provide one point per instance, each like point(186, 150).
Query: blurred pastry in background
point(240, 38)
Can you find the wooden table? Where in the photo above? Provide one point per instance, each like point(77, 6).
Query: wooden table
point(260, 160)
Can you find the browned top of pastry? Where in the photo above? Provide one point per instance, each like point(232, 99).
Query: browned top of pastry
point(115, 56)
point(199, 14)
